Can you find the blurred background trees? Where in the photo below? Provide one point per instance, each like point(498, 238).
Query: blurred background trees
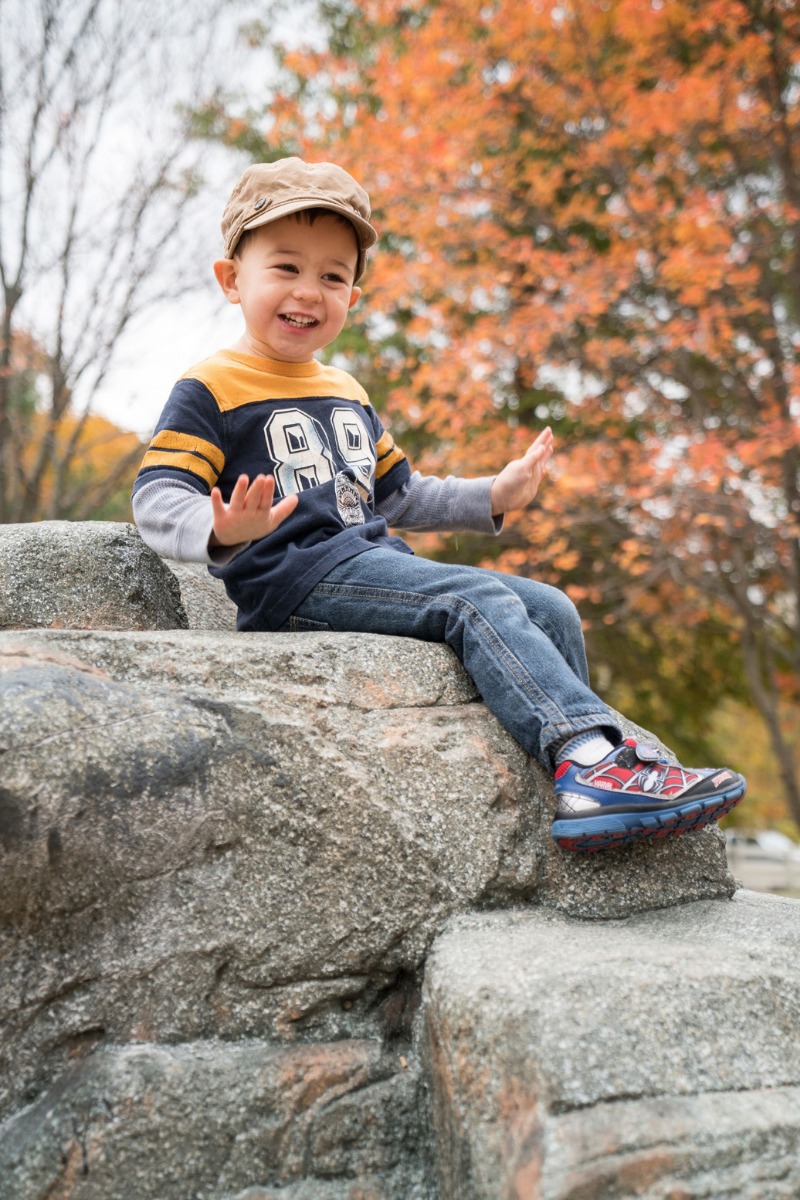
point(99, 181)
point(590, 217)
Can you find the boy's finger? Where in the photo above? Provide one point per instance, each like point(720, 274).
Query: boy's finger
point(267, 491)
point(255, 493)
point(280, 511)
point(544, 441)
point(239, 492)
point(537, 451)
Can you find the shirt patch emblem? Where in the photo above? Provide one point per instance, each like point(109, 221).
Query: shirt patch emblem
point(348, 500)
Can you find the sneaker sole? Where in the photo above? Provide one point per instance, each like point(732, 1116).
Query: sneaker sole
point(615, 829)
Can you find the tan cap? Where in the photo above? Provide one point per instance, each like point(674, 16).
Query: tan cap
point(268, 191)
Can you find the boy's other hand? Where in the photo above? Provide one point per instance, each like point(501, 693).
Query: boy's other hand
point(518, 482)
point(249, 514)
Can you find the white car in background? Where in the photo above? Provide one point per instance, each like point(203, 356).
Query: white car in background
point(765, 862)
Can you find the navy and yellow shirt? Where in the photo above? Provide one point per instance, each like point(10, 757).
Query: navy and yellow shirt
point(314, 429)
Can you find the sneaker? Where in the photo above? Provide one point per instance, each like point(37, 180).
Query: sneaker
point(634, 793)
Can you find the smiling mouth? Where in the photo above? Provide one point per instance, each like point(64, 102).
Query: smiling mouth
point(298, 322)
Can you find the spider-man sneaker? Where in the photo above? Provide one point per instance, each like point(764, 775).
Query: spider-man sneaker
point(633, 793)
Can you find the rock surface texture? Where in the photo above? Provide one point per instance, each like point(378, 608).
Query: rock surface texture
point(95, 575)
point(653, 1057)
point(224, 861)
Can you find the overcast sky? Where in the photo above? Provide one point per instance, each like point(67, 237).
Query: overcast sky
point(164, 343)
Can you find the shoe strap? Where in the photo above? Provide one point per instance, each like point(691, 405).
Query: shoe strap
point(647, 753)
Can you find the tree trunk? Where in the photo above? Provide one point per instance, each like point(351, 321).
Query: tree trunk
point(766, 702)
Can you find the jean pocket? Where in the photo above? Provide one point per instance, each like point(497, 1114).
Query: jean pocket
point(306, 625)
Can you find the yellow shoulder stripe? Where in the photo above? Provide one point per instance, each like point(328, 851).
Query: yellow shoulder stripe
point(181, 462)
point(169, 439)
point(388, 455)
point(234, 383)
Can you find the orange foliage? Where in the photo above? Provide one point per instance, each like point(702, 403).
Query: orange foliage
point(100, 443)
point(65, 465)
point(97, 477)
point(577, 185)
point(590, 217)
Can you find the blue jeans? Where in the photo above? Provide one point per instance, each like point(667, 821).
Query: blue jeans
point(520, 641)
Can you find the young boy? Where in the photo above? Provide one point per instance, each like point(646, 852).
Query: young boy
point(276, 471)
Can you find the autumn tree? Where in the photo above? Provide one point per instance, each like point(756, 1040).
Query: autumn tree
point(98, 182)
point(87, 472)
point(590, 216)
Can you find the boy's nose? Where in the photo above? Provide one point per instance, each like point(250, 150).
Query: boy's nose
point(306, 289)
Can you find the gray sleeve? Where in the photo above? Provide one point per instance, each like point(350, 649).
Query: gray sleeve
point(176, 522)
point(429, 503)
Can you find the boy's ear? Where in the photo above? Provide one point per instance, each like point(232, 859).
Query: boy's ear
point(354, 296)
point(225, 272)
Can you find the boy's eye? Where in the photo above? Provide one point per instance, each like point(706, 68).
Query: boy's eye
point(287, 267)
point(333, 277)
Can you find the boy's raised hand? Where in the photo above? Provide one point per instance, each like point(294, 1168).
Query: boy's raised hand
point(518, 482)
point(249, 514)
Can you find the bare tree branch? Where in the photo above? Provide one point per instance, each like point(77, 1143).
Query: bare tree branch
point(99, 181)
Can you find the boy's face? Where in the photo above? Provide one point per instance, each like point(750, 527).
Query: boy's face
point(295, 283)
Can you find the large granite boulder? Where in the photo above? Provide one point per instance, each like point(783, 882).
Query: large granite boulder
point(93, 575)
point(100, 575)
point(203, 597)
point(223, 861)
point(260, 835)
point(655, 1057)
point(320, 1121)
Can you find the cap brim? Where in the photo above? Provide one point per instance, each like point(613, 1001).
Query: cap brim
point(367, 235)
